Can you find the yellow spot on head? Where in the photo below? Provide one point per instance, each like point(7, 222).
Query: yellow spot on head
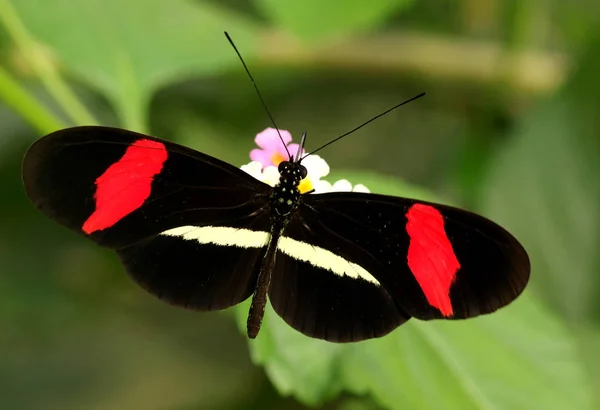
point(305, 186)
point(277, 158)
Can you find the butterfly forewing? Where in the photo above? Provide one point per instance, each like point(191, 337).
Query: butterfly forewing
point(119, 187)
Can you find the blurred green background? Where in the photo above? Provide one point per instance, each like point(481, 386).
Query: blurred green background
point(510, 128)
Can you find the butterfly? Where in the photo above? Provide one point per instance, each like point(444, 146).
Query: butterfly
point(201, 233)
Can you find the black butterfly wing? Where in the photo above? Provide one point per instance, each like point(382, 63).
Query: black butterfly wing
point(411, 258)
point(118, 187)
point(194, 270)
point(125, 190)
point(322, 293)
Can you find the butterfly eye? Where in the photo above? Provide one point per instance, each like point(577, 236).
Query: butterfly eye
point(282, 165)
point(303, 172)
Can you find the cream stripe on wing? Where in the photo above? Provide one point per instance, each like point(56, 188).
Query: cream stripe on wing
point(221, 235)
point(323, 259)
point(246, 238)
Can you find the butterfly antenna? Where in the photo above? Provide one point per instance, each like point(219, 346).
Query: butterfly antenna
point(365, 123)
point(301, 146)
point(258, 92)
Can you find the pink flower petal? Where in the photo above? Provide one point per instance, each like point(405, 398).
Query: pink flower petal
point(269, 139)
point(293, 148)
point(262, 156)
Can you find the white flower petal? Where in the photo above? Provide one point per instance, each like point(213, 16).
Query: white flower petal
point(271, 175)
point(316, 166)
point(342, 185)
point(254, 168)
point(321, 186)
point(360, 188)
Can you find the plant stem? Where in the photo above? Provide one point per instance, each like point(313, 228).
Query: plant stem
point(43, 66)
point(133, 109)
point(439, 57)
point(16, 97)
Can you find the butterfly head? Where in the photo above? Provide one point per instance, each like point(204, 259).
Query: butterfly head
point(291, 172)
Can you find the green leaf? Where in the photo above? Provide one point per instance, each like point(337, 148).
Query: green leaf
point(314, 19)
point(589, 340)
point(518, 358)
point(129, 49)
point(544, 188)
point(296, 365)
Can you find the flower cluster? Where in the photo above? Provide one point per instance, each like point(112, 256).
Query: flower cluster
point(271, 152)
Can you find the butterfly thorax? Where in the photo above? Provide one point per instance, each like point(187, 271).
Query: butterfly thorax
point(284, 199)
point(286, 195)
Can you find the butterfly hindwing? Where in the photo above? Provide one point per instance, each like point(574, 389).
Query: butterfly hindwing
point(118, 187)
point(203, 268)
point(435, 261)
point(326, 296)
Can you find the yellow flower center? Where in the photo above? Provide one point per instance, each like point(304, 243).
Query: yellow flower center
point(305, 185)
point(276, 158)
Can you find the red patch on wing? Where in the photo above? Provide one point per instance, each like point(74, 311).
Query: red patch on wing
point(126, 184)
point(430, 256)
